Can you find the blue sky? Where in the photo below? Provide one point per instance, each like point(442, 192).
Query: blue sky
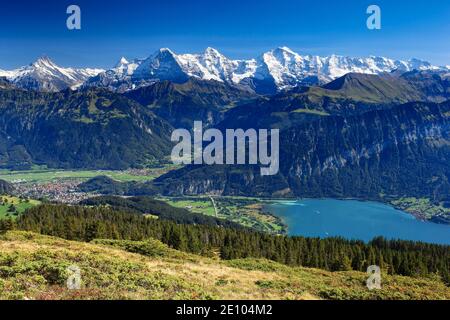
point(237, 28)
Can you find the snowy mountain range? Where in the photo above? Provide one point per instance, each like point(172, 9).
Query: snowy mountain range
point(45, 75)
point(277, 69)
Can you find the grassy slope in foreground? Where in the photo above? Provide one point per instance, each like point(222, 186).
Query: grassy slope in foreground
point(33, 266)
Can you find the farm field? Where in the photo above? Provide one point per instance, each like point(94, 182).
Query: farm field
point(245, 211)
point(47, 175)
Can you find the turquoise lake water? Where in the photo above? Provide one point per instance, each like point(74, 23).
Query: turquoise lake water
point(353, 219)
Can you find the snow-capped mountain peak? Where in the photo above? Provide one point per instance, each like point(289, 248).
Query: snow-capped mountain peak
point(122, 61)
point(44, 62)
point(282, 53)
point(7, 74)
point(125, 68)
point(279, 68)
point(45, 75)
point(276, 69)
point(166, 50)
point(162, 65)
point(286, 49)
point(211, 52)
point(286, 67)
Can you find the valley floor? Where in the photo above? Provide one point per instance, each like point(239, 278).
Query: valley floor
point(61, 186)
point(33, 266)
point(246, 211)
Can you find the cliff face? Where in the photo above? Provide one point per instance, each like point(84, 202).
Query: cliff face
point(403, 150)
point(222, 180)
point(399, 151)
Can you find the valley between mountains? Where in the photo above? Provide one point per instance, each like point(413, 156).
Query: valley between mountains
point(85, 173)
point(381, 134)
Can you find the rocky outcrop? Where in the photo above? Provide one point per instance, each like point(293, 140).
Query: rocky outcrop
point(382, 153)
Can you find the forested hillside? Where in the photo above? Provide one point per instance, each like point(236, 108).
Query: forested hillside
point(381, 154)
point(149, 206)
point(194, 100)
point(85, 224)
point(88, 129)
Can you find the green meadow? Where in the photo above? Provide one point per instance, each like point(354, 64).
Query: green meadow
point(245, 211)
point(48, 175)
point(19, 206)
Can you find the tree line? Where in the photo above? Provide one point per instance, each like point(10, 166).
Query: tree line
point(147, 205)
point(335, 254)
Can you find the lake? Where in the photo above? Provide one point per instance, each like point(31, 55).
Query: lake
point(351, 219)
